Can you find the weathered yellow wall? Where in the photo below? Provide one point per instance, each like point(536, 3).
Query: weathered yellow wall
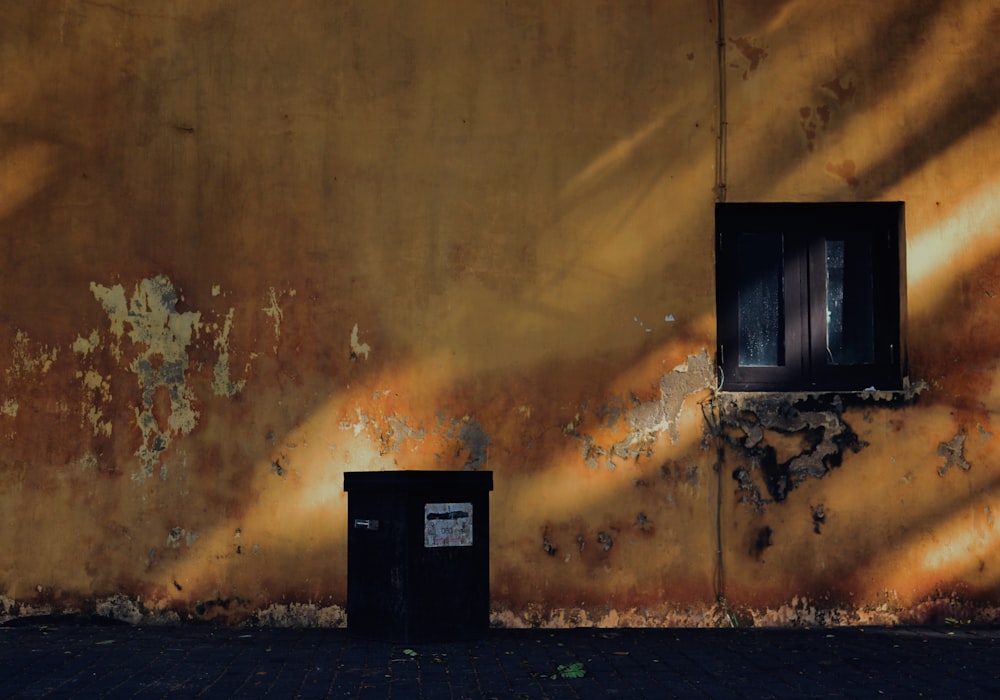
point(250, 246)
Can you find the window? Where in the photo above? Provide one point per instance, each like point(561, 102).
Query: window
point(811, 297)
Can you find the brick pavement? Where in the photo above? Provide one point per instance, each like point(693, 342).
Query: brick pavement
point(79, 658)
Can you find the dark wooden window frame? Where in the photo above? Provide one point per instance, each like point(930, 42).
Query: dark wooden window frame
point(805, 228)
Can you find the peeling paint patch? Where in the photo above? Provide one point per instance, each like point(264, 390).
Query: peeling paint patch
point(648, 420)
point(274, 312)
point(953, 452)
point(9, 408)
point(399, 430)
point(97, 392)
point(165, 334)
point(28, 358)
point(85, 346)
point(178, 536)
point(357, 426)
point(591, 451)
point(358, 348)
point(475, 441)
point(222, 383)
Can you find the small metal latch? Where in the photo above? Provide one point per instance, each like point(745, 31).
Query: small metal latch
point(360, 524)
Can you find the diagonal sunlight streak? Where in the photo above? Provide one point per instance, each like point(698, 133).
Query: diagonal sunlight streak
point(25, 171)
point(300, 508)
point(931, 253)
point(617, 156)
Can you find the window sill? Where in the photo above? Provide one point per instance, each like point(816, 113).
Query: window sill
point(908, 394)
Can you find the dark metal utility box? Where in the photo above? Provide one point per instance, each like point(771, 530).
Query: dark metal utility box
point(418, 554)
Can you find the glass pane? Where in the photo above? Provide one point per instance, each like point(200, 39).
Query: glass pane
point(850, 329)
point(761, 300)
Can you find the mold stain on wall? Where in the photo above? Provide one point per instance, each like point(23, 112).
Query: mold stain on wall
point(784, 440)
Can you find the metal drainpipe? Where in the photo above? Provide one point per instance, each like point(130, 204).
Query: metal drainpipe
point(714, 408)
point(721, 145)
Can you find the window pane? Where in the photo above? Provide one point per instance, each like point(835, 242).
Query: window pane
point(850, 329)
point(761, 300)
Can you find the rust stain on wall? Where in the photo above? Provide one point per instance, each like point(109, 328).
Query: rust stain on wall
point(752, 54)
point(841, 93)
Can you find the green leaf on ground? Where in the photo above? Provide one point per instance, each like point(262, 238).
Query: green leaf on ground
point(573, 670)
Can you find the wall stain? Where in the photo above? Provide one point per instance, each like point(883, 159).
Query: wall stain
point(818, 517)
point(762, 540)
point(841, 93)
point(751, 53)
point(846, 170)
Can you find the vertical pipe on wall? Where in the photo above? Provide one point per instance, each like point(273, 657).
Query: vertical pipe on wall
point(712, 416)
point(720, 147)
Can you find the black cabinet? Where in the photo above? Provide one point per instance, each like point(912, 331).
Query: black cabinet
point(418, 554)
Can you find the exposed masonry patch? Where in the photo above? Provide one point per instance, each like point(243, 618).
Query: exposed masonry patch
point(816, 420)
point(647, 421)
point(301, 615)
point(953, 452)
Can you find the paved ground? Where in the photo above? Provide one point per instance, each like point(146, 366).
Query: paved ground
point(74, 658)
